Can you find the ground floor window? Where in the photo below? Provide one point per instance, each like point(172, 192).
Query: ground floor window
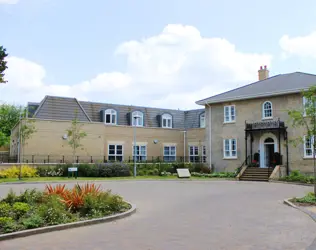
point(308, 146)
point(203, 154)
point(140, 153)
point(230, 148)
point(169, 153)
point(194, 153)
point(115, 152)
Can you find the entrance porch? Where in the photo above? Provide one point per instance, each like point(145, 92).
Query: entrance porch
point(266, 144)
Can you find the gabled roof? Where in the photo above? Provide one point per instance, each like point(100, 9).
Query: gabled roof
point(61, 108)
point(277, 85)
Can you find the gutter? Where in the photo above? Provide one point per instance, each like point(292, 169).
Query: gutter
point(237, 98)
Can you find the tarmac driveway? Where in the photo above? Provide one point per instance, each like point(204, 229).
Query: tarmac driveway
point(193, 215)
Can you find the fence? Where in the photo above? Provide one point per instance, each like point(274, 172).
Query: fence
point(98, 159)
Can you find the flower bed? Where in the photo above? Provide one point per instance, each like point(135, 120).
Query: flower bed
point(307, 200)
point(297, 176)
point(57, 205)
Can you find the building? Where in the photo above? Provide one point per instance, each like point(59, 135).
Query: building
point(164, 134)
point(251, 123)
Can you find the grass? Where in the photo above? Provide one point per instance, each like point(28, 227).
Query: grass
point(60, 179)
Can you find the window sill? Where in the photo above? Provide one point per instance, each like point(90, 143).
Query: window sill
point(229, 122)
point(308, 158)
point(230, 158)
point(110, 124)
point(267, 118)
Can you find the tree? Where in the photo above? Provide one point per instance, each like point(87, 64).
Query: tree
point(75, 134)
point(3, 63)
point(306, 118)
point(9, 117)
point(26, 130)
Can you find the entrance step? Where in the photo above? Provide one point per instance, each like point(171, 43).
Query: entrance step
point(256, 174)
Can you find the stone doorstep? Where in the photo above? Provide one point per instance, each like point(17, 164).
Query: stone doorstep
point(41, 230)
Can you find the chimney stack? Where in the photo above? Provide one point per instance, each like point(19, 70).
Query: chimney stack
point(263, 73)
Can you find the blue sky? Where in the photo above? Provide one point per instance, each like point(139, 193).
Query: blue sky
point(181, 51)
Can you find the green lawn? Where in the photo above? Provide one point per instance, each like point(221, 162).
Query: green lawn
point(61, 179)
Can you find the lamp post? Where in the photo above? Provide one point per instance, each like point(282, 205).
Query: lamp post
point(135, 124)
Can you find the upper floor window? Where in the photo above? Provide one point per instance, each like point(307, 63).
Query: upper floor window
point(229, 113)
point(137, 119)
point(110, 116)
point(267, 110)
point(202, 120)
point(166, 121)
point(308, 105)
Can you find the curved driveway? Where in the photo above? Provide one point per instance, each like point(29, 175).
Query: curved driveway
point(188, 215)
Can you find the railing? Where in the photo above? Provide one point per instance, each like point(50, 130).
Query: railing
point(275, 124)
point(242, 165)
point(99, 159)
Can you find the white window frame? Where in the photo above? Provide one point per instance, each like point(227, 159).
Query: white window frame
point(170, 155)
point(115, 155)
point(204, 154)
point(140, 155)
point(194, 156)
point(264, 109)
point(112, 113)
point(230, 151)
point(304, 103)
point(202, 120)
point(311, 148)
point(168, 119)
point(231, 115)
point(140, 120)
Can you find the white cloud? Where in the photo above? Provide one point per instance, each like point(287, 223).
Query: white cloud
point(172, 70)
point(9, 1)
point(299, 46)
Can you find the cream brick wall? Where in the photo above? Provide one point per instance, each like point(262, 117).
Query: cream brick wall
point(251, 110)
point(48, 140)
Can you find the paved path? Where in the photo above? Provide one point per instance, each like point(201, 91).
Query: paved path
point(189, 215)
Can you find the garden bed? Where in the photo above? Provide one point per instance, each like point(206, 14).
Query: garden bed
point(57, 205)
point(307, 200)
point(297, 177)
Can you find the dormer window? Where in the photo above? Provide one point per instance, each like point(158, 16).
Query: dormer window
point(166, 121)
point(267, 110)
point(202, 120)
point(110, 116)
point(137, 119)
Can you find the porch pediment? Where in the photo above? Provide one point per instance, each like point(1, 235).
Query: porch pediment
point(264, 125)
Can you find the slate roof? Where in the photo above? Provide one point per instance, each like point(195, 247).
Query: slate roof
point(276, 85)
point(63, 108)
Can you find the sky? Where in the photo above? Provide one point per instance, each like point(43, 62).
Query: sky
point(166, 53)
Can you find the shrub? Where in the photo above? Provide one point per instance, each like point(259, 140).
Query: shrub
point(20, 209)
point(10, 198)
point(5, 209)
point(113, 170)
point(215, 175)
point(30, 196)
point(53, 211)
point(34, 221)
point(13, 172)
point(5, 220)
point(58, 189)
point(309, 198)
point(50, 171)
point(296, 176)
